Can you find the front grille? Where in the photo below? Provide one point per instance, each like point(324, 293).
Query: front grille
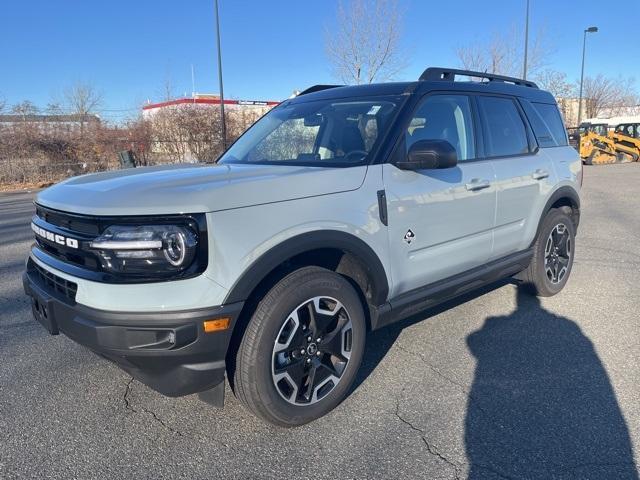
point(81, 228)
point(51, 282)
point(74, 223)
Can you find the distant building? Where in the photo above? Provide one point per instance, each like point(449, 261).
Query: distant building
point(50, 123)
point(181, 128)
point(569, 109)
point(210, 100)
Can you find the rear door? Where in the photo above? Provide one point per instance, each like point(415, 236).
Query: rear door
point(440, 220)
point(524, 173)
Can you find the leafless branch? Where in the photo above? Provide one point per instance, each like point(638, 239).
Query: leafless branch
point(83, 99)
point(608, 97)
point(364, 44)
point(503, 54)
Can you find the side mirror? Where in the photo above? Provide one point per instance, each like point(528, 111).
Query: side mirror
point(429, 154)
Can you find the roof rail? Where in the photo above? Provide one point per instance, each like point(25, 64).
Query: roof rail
point(317, 88)
point(449, 75)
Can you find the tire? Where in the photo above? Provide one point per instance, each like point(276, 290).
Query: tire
point(541, 277)
point(275, 349)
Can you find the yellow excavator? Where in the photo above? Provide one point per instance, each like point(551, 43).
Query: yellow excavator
point(613, 140)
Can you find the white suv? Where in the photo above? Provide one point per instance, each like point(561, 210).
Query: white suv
point(341, 210)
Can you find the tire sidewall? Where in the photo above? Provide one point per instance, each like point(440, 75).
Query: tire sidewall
point(323, 284)
point(554, 218)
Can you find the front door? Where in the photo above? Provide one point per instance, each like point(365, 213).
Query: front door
point(440, 220)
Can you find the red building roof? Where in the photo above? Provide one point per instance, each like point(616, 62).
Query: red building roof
point(208, 101)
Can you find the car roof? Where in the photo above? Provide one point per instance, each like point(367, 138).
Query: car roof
point(433, 79)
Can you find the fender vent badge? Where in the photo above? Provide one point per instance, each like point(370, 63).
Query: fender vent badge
point(409, 236)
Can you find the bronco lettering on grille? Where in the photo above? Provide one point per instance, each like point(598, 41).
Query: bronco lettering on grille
point(54, 237)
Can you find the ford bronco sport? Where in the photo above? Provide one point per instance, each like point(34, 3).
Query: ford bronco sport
point(340, 211)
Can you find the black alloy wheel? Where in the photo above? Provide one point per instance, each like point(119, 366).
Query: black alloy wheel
point(312, 350)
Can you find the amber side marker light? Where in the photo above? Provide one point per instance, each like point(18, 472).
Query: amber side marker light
point(216, 325)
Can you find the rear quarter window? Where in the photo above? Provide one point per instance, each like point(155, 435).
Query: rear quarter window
point(547, 124)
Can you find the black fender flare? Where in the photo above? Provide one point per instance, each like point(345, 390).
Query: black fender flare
point(564, 192)
point(306, 242)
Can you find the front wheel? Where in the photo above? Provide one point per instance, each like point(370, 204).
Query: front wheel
point(553, 253)
point(302, 348)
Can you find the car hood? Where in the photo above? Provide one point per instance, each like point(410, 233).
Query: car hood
point(192, 188)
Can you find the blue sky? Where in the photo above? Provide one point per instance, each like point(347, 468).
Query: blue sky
point(270, 47)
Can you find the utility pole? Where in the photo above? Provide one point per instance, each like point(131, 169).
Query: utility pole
point(223, 127)
point(526, 43)
point(193, 83)
point(584, 47)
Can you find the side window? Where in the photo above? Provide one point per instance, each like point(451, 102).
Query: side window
point(505, 130)
point(540, 128)
point(551, 117)
point(444, 117)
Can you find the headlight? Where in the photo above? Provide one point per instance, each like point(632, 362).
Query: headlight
point(146, 249)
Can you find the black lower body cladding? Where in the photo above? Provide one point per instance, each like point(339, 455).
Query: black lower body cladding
point(168, 351)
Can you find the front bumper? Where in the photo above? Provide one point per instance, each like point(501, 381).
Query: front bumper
point(168, 351)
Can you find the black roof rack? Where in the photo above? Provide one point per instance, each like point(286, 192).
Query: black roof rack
point(317, 88)
point(449, 75)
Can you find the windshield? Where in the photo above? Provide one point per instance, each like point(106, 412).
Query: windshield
point(600, 129)
point(332, 133)
point(597, 128)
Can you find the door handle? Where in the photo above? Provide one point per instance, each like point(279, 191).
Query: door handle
point(539, 174)
point(477, 184)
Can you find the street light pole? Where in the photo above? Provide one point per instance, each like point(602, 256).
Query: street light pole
point(526, 43)
point(584, 48)
point(223, 127)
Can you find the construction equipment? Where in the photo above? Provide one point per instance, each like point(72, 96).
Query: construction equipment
point(626, 137)
point(612, 140)
point(596, 147)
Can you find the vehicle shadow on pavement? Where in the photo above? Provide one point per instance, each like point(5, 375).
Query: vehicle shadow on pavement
point(541, 404)
point(380, 342)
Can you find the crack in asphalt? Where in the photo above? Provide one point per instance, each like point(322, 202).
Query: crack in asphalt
point(430, 448)
point(436, 453)
point(131, 408)
point(125, 397)
point(437, 371)
point(472, 401)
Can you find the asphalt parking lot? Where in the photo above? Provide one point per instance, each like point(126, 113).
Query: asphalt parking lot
point(495, 385)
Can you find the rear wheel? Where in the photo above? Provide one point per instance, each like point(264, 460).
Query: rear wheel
point(553, 253)
point(302, 348)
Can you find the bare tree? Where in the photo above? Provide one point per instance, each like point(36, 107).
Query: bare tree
point(555, 82)
point(24, 108)
point(364, 44)
point(54, 108)
point(564, 91)
point(83, 98)
point(184, 132)
point(502, 54)
point(3, 103)
point(608, 97)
